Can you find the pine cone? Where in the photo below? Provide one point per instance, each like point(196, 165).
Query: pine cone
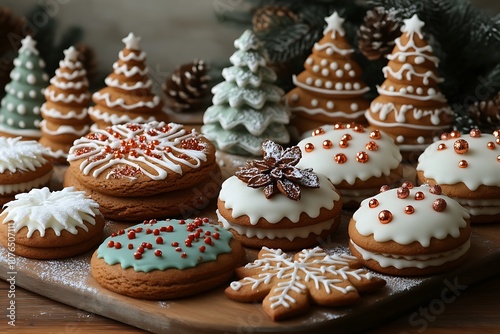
point(187, 87)
point(89, 61)
point(6, 66)
point(12, 30)
point(377, 33)
point(270, 16)
point(486, 113)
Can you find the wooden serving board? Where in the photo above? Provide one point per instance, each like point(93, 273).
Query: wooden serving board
point(69, 281)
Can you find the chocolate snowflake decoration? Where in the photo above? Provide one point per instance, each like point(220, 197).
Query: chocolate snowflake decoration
point(287, 284)
point(277, 172)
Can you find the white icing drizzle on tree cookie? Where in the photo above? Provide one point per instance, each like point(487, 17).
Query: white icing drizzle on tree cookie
point(41, 209)
point(153, 149)
point(18, 155)
point(404, 228)
point(122, 104)
point(483, 166)
point(385, 109)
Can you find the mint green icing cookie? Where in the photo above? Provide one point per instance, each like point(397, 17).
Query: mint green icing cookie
point(20, 107)
point(161, 245)
point(247, 107)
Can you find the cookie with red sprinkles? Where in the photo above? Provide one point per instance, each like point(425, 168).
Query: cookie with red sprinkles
point(167, 259)
point(136, 171)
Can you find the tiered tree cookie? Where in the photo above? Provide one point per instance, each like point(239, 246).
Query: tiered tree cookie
point(411, 107)
point(247, 107)
point(65, 117)
point(20, 107)
point(330, 89)
point(128, 97)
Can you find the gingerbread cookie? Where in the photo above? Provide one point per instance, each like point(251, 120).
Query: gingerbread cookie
point(358, 161)
point(275, 204)
point(51, 225)
point(410, 231)
point(286, 285)
point(167, 259)
point(467, 167)
point(135, 171)
point(330, 89)
point(411, 107)
point(23, 166)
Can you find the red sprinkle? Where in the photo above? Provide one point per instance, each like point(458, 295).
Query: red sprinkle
point(207, 233)
point(111, 243)
point(216, 235)
point(138, 229)
point(149, 231)
point(118, 245)
point(175, 244)
point(120, 232)
point(202, 248)
point(178, 249)
point(156, 231)
point(130, 246)
point(208, 241)
point(131, 235)
point(159, 240)
point(140, 249)
point(158, 252)
point(182, 222)
point(205, 220)
point(170, 228)
point(187, 242)
point(163, 229)
point(184, 255)
point(114, 234)
point(137, 256)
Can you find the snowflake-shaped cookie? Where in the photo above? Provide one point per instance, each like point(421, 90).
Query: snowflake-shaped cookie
point(287, 284)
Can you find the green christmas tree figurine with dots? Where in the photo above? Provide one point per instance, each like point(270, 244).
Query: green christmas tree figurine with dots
point(247, 107)
point(20, 107)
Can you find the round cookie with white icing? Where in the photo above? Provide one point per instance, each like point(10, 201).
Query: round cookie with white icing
point(142, 163)
point(51, 225)
point(410, 106)
point(356, 160)
point(467, 167)
point(410, 231)
point(167, 259)
point(24, 165)
point(274, 204)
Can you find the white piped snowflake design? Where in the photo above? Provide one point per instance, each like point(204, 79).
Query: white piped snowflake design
point(286, 283)
point(41, 209)
point(16, 154)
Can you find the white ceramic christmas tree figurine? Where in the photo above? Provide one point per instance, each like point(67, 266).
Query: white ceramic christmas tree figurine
point(411, 107)
point(65, 117)
point(128, 97)
point(247, 107)
point(20, 107)
point(330, 89)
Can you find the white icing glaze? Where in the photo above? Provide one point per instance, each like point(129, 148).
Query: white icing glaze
point(289, 233)
point(381, 161)
point(328, 91)
point(54, 113)
point(442, 166)
point(125, 85)
point(132, 56)
point(68, 84)
point(64, 129)
point(70, 76)
point(21, 132)
point(421, 226)
point(432, 96)
point(410, 71)
point(17, 155)
point(123, 69)
point(333, 47)
point(106, 117)
point(54, 97)
point(41, 209)
point(406, 261)
point(25, 186)
point(244, 200)
point(121, 102)
point(157, 168)
point(334, 115)
point(384, 109)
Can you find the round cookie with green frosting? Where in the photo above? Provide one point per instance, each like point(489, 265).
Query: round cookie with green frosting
point(167, 259)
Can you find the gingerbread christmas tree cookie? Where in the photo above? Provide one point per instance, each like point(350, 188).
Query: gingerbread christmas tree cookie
point(128, 97)
point(330, 89)
point(411, 107)
point(286, 285)
point(20, 107)
point(247, 107)
point(65, 117)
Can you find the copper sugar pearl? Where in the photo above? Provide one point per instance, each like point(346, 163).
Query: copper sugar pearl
point(419, 196)
point(318, 131)
point(385, 187)
point(461, 146)
point(309, 147)
point(371, 146)
point(343, 143)
point(340, 158)
point(385, 216)
point(463, 164)
point(375, 134)
point(362, 157)
point(441, 147)
point(373, 203)
point(436, 189)
point(496, 133)
point(346, 137)
point(455, 134)
point(403, 192)
point(338, 126)
point(407, 184)
point(327, 144)
point(409, 209)
point(491, 145)
point(439, 205)
point(475, 133)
